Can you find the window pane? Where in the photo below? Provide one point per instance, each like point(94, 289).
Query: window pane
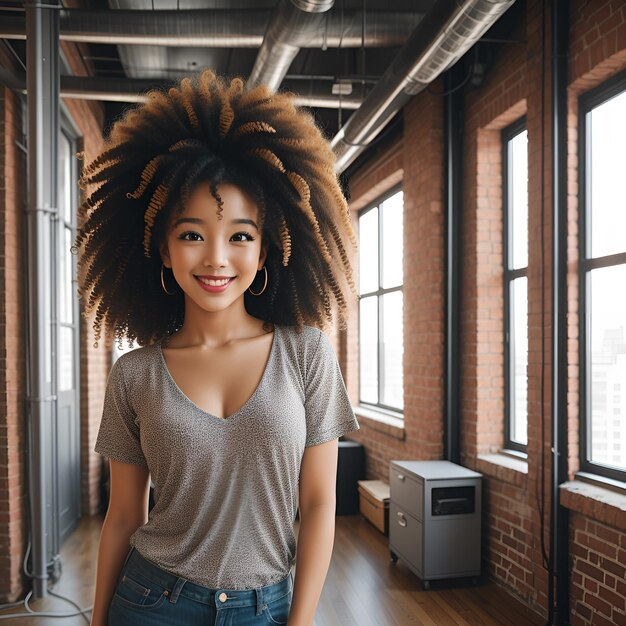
point(518, 324)
point(368, 349)
point(65, 178)
point(392, 349)
point(392, 240)
point(368, 251)
point(605, 173)
point(65, 277)
point(607, 362)
point(66, 358)
point(518, 200)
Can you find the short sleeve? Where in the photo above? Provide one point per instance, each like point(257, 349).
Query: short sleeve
point(118, 437)
point(327, 407)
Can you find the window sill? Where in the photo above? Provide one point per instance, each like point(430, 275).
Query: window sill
point(509, 469)
point(382, 422)
point(603, 503)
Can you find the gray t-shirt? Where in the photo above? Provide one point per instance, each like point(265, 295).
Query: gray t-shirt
point(225, 490)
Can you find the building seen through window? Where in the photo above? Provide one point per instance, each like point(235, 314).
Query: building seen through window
point(603, 271)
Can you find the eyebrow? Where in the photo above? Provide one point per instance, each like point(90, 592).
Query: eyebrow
point(197, 220)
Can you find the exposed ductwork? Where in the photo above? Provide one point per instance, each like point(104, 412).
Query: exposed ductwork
point(441, 38)
point(293, 24)
point(219, 28)
point(134, 90)
point(447, 31)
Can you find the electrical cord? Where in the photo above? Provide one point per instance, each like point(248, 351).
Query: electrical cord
point(462, 84)
point(33, 613)
point(540, 501)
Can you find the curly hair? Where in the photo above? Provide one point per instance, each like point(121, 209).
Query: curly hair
point(209, 131)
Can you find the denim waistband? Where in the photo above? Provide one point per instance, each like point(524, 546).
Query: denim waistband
point(220, 598)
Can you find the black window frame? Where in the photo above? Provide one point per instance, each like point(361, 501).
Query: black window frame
point(395, 411)
point(586, 103)
point(509, 275)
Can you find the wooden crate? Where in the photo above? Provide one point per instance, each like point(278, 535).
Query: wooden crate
point(374, 503)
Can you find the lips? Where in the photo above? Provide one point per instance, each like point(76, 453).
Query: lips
point(215, 281)
point(214, 276)
point(214, 284)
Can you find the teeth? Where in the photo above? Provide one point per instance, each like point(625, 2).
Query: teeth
point(213, 283)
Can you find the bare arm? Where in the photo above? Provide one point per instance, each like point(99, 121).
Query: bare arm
point(128, 509)
point(318, 475)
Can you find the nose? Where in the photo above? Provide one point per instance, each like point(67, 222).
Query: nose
point(215, 255)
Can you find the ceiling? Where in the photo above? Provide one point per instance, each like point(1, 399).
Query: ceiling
point(334, 64)
point(313, 70)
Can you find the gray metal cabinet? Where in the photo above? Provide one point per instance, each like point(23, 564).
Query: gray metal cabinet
point(435, 519)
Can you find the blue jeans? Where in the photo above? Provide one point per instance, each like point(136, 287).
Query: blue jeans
point(146, 595)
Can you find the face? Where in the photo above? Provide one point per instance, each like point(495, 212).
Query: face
point(215, 261)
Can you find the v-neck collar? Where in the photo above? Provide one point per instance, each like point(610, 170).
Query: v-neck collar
point(241, 409)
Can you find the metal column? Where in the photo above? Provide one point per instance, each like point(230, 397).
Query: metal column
point(42, 59)
point(559, 522)
point(454, 173)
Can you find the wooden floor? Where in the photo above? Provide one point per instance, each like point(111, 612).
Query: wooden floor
point(363, 587)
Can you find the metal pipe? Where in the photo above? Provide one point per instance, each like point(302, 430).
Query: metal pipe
point(42, 45)
point(293, 23)
point(447, 31)
point(559, 522)
point(454, 177)
point(217, 28)
point(134, 90)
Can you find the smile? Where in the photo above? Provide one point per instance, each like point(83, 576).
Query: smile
point(214, 284)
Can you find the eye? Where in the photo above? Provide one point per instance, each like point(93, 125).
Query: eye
point(184, 237)
point(243, 237)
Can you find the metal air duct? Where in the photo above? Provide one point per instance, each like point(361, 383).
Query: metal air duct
point(218, 28)
point(134, 90)
point(293, 23)
point(447, 31)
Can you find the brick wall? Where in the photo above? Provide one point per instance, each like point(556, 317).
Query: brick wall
point(598, 554)
point(514, 495)
point(419, 163)
point(13, 436)
point(597, 517)
point(508, 92)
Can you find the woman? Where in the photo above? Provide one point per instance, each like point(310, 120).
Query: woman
point(215, 237)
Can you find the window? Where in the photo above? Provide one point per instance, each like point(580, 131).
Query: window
point(515, 255)
point(380, 304)
point(68, 331)
point(602, 279)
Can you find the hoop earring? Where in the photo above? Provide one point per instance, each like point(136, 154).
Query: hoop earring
point(169, 293)
point(264, 285)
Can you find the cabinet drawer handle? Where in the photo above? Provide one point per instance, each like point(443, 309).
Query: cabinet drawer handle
point(401, 519)
point(401, 477)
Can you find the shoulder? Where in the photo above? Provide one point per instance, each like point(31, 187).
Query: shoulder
point(306, 340)
point(309, 346)
point(136, 355)
point(134, 363)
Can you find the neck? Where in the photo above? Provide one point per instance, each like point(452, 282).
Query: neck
point(215, 328)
